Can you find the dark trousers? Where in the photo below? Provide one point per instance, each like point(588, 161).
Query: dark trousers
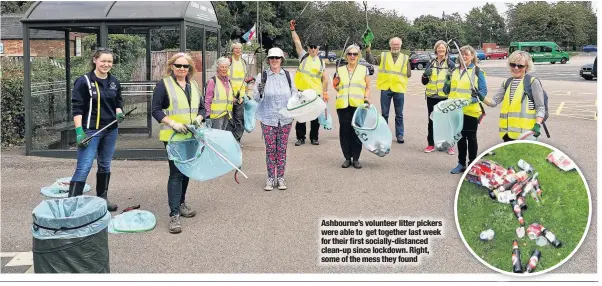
point(301, 130)
point(468, 142)
point(430, 106)
point(350, 143)
point(237, 124)
point(176, 188)
point(506, 138)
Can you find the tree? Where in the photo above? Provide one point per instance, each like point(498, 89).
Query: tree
point(18, 7)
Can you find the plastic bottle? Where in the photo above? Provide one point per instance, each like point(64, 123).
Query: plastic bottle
point(525, 166)
point(551, 238)
point(517, 267)
point(520, 200)
point(535, 256)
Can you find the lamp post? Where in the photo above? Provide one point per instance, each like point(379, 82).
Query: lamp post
point(490, 34)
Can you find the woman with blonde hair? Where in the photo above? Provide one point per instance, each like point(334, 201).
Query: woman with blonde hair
point(219, 97)
point(467, 82)
point(434, 79)
point(353, 89)
point(522, 113)
point(177, 101)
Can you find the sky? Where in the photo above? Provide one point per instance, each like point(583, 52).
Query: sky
point(414, 9)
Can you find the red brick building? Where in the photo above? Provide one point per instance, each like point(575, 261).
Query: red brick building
point(44, 43)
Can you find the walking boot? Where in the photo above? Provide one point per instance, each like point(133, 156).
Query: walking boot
point(76, 188)
point(102, 189)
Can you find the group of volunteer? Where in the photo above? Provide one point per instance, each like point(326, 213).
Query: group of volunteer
point(178, 101)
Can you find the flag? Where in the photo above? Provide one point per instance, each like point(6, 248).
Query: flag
point(250, 35)
point(368, 37)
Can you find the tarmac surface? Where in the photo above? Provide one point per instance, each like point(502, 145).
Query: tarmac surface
point(243, 229)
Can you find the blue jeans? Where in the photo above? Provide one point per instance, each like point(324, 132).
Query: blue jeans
point(385, 105)
point(104, 145)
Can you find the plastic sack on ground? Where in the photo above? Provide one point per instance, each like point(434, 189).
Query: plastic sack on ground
point(70, 236)
point(325, 119)
point(133, 221)
point(561, 160)
point(304, 106)
point(60, 188)
point(249, 109)
point(448, 120)
point(372, 130)
point(529, 135)
point(200, 157)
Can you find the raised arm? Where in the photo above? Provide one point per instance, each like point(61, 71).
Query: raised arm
point(296, 39)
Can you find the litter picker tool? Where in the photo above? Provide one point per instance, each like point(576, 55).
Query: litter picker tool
point(302, 11)
point(472, 87)
point(341, 59)
point(368, 36)
point(97, 132)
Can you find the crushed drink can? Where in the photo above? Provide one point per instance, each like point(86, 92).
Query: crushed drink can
point(534, 231)
point(487, 235)
point(525, 166)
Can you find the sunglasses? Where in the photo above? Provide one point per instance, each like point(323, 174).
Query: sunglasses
point(273, 58)
point(513, 65)
point(353, 54)
point(179, 66)
point(313, 46)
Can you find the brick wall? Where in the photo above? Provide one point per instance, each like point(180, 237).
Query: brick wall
point(39, 48)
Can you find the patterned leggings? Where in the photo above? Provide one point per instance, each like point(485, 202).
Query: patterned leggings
point(276, 139)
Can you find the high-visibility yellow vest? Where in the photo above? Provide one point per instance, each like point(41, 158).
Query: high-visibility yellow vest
point(434, 88)
point(351, 90)
point(393, 75)
point(221, 105)
point(237, 73)
point(309, 74)
point(515, 116)
point(460, 88)
point(179, 110)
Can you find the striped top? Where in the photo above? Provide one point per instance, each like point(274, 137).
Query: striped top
point(536, 89)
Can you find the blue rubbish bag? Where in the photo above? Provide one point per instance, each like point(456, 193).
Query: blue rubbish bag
point(60, 188)
point(249, 110)
point(200, 157)
point(372, 129)
point(133, 221)
point(70, 235)
point(448, 120)
point(325, 119)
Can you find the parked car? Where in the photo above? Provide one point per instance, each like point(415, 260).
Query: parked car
point(589, 71)
point(590, 48)
point(481, 55)
point(331, 56)
point(420, 61)
point(497, 54)
point(361, 62)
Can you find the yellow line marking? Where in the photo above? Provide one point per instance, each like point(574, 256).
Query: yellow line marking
point(559, 108)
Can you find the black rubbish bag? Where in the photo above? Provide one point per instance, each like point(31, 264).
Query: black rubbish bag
point(70, 236)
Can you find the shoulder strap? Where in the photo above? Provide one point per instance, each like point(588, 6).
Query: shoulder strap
point(527, 86)
point(264, 78)
point(507, 83)
point(304, 57)
point(288, 78)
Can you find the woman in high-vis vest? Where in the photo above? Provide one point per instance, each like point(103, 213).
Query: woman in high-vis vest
point(96, 102)
point(353, 89)
point(238, 74)
point(519, 114)
point(177, 101)
point(219, 97)
point(273, 90)
point(459, 86)
point(434, 79)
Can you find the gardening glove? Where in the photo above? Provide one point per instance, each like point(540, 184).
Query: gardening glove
point(428, 72)
point(292, 24)
point(120, 117)
point(178, 127)
point(535, 129)
point(198, 122)
point(335, 82)
point(81, 135)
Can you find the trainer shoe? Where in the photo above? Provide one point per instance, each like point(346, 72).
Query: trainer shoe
point(346, 164)
point(281, 185)
point(315, 142)
point(300, 142)
point(451, 151)
point(429, 149)
point(400, 140)
point(186, 211)
point(269, 185)
point(356, 164)
point(458, 169)
point(174, 224)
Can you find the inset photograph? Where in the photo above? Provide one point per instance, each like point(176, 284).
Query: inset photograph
point(523, 208)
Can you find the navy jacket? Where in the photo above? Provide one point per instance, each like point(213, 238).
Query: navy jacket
point(110, 100)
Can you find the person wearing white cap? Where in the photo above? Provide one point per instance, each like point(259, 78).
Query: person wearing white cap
point(272, 92)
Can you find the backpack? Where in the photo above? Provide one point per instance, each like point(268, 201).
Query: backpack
point(264, 78)
point(529, 94)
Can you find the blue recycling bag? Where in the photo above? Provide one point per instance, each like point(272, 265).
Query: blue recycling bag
point(249, 110)
point(206, 155)
point(448, 121)
point(133, 221)
point(325, 119)
point(372, 129)
point(60, 188)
